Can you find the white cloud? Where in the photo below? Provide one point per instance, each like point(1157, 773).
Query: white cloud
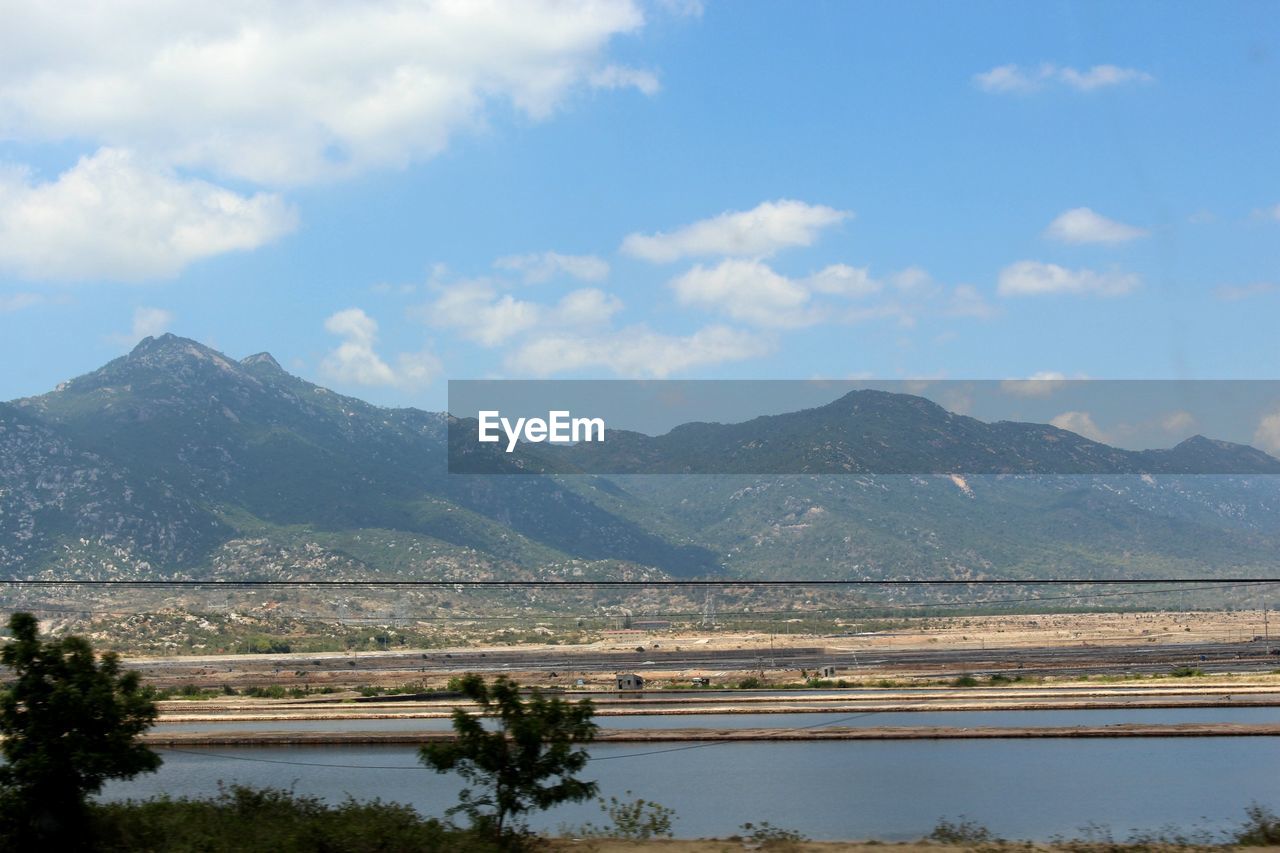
point(621, 77)
point(1082, 225)
point(914, 281)
point(636, 351)
point(418, 368)
point(1081, 423)
point(544, 266)
point(1009, 78)
point(1235, 293)
point(110, 217)
point(1040, 384)
point(279, 94)
point(478, 312)
point(1267, 436)
point(11, 302)
point(748, 291)
point(586, 308)
point(844, 280)
point(356, 362)
point(1268, 213)
point(1102, 77)
point(1178, 421)
point(753, 292)
point(575, 333)
point(1015, 79)
point(968, 301)
point(1033, 278)
point(149, 322)
point(756, 233)
point(906, 315)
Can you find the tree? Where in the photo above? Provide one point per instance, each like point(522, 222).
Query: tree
point(526, 763)
point(70, 723)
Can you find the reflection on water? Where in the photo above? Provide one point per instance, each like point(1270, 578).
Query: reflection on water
point(846, 789)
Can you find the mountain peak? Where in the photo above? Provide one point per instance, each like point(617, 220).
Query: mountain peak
point(171, 347)
point(155, 361)
point(158, 343)
point(1200, 455)
point(261, 361)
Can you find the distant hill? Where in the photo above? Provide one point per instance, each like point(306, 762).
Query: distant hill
point(261, 452)
point(876, 432)
point(178, 460)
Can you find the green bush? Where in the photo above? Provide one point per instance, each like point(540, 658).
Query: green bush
point(248, 819)
point(766, 836)
point(1262, 829)
point(963, 833)
point(634, 820)
point(272, 691)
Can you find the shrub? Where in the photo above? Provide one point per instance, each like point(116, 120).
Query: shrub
point(634, 820)
point(1262, 829)
point(769, 837)
point(248, 819)
point(961, 832)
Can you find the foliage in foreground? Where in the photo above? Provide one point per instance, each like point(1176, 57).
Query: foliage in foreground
point(766, 836)
point(70, 722)
point(632, 820)
point(1261, 828)
point(527, 763)
point(246, 820)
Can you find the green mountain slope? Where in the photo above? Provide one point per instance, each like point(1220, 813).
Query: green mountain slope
point(178, 459)
point(248, 443)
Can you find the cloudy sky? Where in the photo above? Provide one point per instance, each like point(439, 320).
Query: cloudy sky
point(386, 195)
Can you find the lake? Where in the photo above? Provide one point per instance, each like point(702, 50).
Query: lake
point(891, 790)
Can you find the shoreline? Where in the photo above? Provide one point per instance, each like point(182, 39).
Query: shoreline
point(1121, 730)
point(682, 712)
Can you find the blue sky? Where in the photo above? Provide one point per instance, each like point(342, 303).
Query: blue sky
point(389, 195)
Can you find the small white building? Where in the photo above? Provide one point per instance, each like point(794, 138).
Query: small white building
point(630, 681)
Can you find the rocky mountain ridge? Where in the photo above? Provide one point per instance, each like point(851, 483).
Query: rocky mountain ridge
point(178, 460)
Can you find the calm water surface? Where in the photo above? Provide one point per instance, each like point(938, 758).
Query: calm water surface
point(890, 790)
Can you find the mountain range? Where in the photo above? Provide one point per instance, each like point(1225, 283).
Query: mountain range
point(178, 461)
